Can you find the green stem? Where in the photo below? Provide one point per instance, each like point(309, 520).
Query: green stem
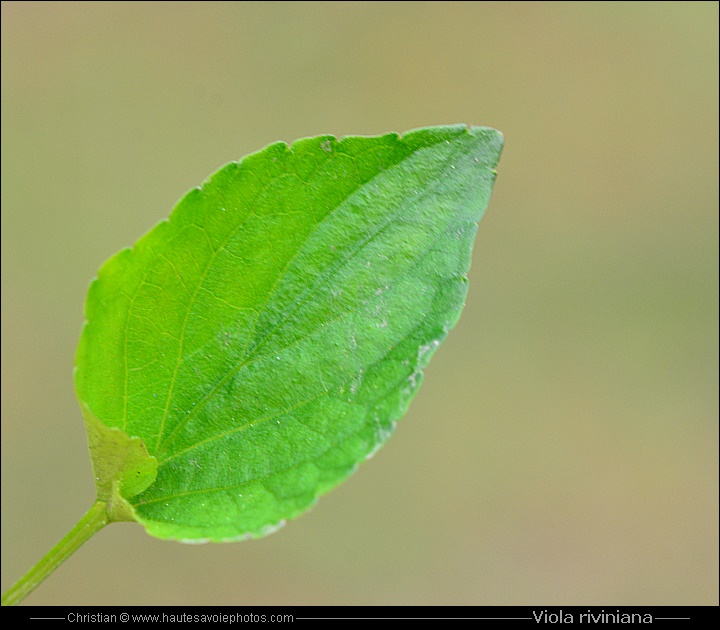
point(95, 519)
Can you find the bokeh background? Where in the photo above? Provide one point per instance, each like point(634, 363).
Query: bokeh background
point(564, 446)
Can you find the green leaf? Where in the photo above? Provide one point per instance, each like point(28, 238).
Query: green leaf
point(264, 340)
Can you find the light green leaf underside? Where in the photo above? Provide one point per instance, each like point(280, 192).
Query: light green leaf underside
point(265, 339)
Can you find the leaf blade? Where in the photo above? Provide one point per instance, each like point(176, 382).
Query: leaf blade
point(265, 339)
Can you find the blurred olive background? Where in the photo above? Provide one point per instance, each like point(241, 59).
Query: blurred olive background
point(564, 446)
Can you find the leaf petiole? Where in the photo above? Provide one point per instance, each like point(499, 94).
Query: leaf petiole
point(94, 520)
